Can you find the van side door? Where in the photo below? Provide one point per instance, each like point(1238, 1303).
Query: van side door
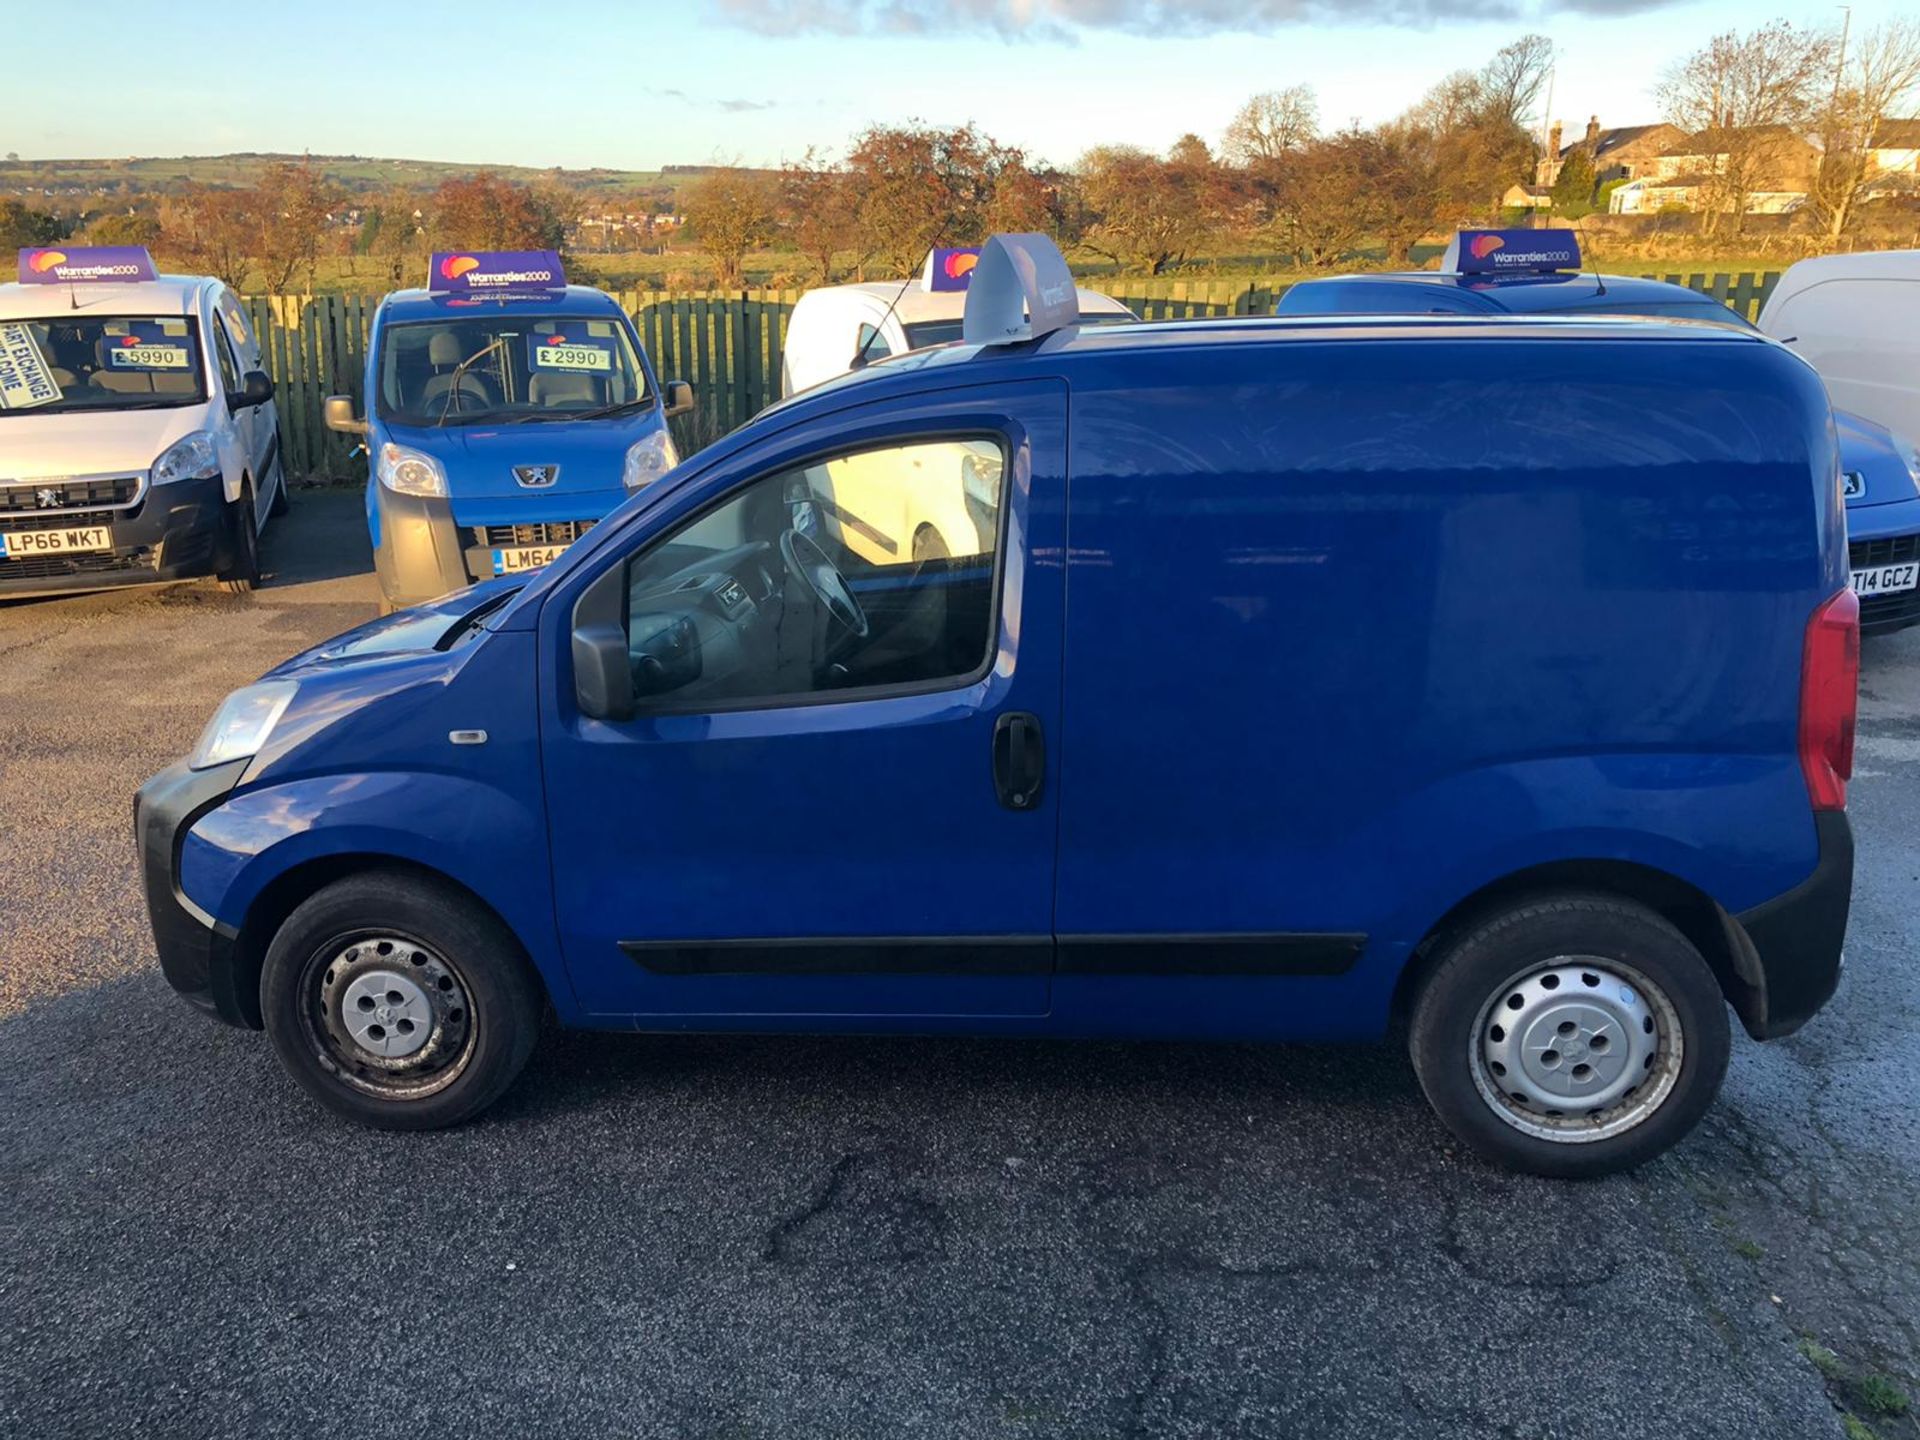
point(833, 797)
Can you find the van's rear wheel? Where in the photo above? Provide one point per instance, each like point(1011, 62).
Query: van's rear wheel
point(395, 1001)
point(1572, 1035)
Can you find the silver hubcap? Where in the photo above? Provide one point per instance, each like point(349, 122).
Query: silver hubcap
point(386, 1014)
point(389, 1016)
point(1577, 1049)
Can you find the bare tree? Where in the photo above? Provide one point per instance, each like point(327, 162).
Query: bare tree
point(1511, 82)
point(1745, 98)
point(1271, 125)
point(1880, 75)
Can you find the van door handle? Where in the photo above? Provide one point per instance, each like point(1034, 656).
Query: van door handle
point(1019, 759)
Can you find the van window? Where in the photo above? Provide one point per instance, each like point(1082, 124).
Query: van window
point(75, 362)
point(229, 367)
point(871, 569)
point(507, 366)
point(872, 344)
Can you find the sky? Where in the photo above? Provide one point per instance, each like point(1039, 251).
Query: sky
point(587, 83)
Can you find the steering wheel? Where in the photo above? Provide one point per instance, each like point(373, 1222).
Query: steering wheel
point(808, 564)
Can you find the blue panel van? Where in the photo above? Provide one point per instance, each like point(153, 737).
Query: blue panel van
point(1881, 467)
point(1298, 681)
point(507, 412)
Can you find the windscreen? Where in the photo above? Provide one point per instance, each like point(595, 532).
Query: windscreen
point(122, 362)
point(507, 368)
point(1705, 308)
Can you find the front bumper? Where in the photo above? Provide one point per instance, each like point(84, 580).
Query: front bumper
point(175, 532)
point(195, 950)
point(1787, 951)
point(423, 552)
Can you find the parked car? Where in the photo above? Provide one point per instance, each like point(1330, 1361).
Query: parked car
point(838, 328)
point(1305, 676)
point(138, 440)
point(1880, 468)
point(507, 412)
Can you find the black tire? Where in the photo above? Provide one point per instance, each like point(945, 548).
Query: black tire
point(241, 574)
point(281, 502)
point(483, 1024)
point(1512, 953)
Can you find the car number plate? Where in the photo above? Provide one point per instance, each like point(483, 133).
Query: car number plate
point(15, 544)
point(1886, 579)
point(526, 557)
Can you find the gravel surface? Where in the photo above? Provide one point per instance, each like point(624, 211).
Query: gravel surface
point(703, 1236)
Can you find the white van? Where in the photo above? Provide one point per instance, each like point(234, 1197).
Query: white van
point(1856, 319)
point(138, 439)
point(831, 327)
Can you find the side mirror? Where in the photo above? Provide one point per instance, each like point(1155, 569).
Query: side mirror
point(256, 388)
point(340, 416)
point(679, 398)
point(602, 671)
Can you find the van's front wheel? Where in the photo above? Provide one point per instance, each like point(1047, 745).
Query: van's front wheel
point(1570, 1036)
point(396, 1002)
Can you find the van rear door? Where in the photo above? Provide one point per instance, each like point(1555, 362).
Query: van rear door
point(825, 811)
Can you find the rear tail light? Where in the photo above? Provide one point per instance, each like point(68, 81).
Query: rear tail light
point(1830, 699)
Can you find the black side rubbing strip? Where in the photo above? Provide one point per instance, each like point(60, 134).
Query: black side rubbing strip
point(853, 955)
point(1172, 955)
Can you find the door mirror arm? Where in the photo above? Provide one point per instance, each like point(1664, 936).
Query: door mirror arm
point(339, 416)
point(602, 669)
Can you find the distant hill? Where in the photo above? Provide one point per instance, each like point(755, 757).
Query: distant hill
point(360, 174)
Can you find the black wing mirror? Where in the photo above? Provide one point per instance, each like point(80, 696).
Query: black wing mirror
point(256, 388)
point(339, 415)
point(679, 397)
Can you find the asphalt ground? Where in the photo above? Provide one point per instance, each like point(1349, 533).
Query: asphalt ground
point(743, 1237)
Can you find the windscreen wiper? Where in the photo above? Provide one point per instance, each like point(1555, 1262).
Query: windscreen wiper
point(605, 410)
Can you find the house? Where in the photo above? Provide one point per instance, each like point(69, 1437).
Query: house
point(1893, 160)
point(1528, 197)
point(1688, 174)
point(1619, 153)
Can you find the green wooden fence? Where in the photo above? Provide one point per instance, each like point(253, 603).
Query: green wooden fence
point(726, 344)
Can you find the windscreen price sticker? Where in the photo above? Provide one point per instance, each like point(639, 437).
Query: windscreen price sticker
point(559, 352)
point(26, 379)
point(130, 352)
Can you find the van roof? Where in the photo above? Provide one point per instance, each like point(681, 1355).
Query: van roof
point(916, 304)
point(1873, 264)
point(1522, 294)
point(403, 305)
point(1060, 352)
point(163, 295)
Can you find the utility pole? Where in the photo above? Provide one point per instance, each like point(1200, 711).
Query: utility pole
point(1840, 62)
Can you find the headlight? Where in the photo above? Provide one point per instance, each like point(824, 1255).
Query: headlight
point(190, 457)
point(242, 724)
point(408, 472)
point(648, 460)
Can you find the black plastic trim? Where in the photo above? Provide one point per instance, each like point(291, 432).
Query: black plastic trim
point(848, 955)
point(195, 952)
point(1797, 938)
point(1171, 955)
point(172, 534)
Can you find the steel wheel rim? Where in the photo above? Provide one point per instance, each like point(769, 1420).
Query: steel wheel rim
point(1591, 1049)
point(387, 1015)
